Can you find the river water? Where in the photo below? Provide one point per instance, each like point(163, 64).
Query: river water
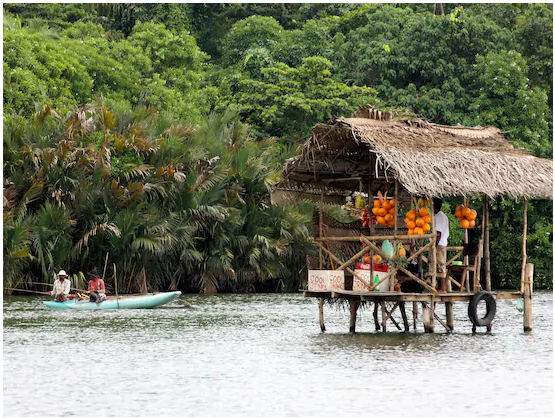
point(264, 355)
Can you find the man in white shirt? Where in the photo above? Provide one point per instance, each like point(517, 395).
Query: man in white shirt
point(442, 230)
point(61, 287)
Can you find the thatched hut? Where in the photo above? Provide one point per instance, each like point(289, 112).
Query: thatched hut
point(407, 157)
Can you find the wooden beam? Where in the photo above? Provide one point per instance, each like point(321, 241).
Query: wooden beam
point(442, 322)
point(454, 258)
point(354, 258)
point(419, 251)
point(366, 284)
point(424, 284)
point(375, 238)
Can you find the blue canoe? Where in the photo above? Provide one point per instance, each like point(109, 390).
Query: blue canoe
point(125, 302)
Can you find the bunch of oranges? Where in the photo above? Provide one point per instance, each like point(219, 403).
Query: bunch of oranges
point(466, 216)
point(384, 210)
point(418, 221)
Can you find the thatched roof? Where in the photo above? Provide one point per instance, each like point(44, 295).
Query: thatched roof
point(427, 159)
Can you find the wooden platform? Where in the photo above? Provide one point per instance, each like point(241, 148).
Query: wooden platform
point(403, 296)
point(397, 300)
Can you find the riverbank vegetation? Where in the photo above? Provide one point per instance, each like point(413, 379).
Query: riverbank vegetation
point(154, 132)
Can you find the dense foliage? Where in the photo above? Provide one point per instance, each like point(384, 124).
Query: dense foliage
point(154, 132)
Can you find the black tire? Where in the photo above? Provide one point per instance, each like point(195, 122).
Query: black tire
point(491, 307)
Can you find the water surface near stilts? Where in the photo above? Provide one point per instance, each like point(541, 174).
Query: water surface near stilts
point(263, 355)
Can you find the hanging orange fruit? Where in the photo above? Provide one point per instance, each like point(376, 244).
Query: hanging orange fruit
point(423, 211)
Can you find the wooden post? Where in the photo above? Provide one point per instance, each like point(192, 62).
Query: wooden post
point(524, 233)
point(434, 248)
point(414, 314)
point(428, 317)
point(464, 278)
point(354, 307)
point(320, 229)
point(449, 310)
point(487, 263)
point(384, 316)
point(404, 315)
point(376, 322)
point(528, 289)
point(321, 314)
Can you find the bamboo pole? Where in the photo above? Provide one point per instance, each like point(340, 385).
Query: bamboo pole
point(423, 283)
point(24, 290)
point(434, 247)
point(464, 279)
point(524, 233)
point(366, 284)
point(116, 284)
point(528, 284)
point(375, 238)
point(320, 228)
point(51, 285)
point(487, 262)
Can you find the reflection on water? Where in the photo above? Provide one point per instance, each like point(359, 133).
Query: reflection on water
point(263, 355)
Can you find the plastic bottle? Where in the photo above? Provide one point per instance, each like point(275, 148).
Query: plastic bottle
point(376, 280)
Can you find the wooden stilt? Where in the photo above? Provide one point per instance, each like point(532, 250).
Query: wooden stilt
point(528, 289)
point(354, 307)
point(464, 278)
point(524, 232)
point(384, 316)
point(449, 310)
point(428, 317)
point(404, 315)
point(434, 249)
point(414, 314)
point(321, 314)
point(376, 321)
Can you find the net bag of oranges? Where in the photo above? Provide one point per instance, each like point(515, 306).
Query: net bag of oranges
point(466, 216)
point(418, 221)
